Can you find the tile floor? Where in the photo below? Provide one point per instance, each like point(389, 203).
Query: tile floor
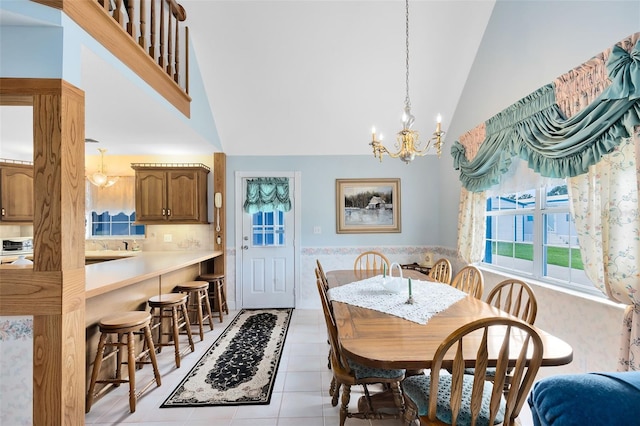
point(300, 394)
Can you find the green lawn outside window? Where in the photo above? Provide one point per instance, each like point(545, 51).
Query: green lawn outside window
point(558, 256)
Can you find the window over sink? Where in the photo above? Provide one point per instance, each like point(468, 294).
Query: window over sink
point(107, 224)
point(111, 211)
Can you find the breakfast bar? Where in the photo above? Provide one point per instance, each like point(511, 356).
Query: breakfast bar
point(127, 284)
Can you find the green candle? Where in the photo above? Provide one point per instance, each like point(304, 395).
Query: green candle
point(384, 270)
point(409, 287)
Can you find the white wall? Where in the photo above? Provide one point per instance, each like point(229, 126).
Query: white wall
point(418, 186)
point(591, 325)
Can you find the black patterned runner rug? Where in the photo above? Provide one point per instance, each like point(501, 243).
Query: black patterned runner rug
point(240, 367)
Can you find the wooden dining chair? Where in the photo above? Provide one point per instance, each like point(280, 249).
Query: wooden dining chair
point(443, 397)
point(518, 299)
point(515, 297)
point(320, 274)
point(371, 261)
point(347, 373)
point(470, 280)
point(441, 271)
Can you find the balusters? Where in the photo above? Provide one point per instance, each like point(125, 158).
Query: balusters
point(161, 56)
point(152, 37)
point(143, 24)
point(186, 59)
point(163, 42)
point(131, 25)
point(176, 73)
point(117, 12)
point(169, 44)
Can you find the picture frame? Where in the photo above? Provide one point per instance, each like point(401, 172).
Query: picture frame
point(368, 205)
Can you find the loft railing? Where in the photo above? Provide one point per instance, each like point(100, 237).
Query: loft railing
point(148, 36)
point(162, 38)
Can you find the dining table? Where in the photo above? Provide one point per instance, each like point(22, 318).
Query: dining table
point(383, 340)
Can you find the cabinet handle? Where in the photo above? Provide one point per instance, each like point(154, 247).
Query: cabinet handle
point(168, 212)
point(163, 213)
point(3, 211)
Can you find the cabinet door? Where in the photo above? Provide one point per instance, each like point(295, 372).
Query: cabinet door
point(16, 186)
point(182, 195)
point(151, 198)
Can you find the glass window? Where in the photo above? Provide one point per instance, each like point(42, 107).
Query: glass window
point(532, 233)
point(267, 229)
point(119, 224)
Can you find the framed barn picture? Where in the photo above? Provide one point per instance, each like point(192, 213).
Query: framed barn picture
point(367, 205)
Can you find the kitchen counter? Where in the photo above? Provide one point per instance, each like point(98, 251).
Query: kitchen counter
point(105, 277)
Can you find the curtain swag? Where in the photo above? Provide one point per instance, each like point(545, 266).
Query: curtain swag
point(535, 130)
point(267, 194)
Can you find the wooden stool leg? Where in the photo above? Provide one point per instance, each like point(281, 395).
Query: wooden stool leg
point(97, 363)
point(204, 296)
point(185, 314)
point(131, 360)
point(198, 303)
point(152, 354)
point(224, 299)
point(219, 299)
point(119, 359)
point(174, 329)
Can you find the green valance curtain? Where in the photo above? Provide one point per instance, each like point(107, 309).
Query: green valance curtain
point(267, 194)
point(535, 130)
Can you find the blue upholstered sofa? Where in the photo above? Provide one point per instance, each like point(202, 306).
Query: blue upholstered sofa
point(587, 399)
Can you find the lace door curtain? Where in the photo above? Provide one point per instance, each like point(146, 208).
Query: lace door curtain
point(593, 147)
point(267, 194)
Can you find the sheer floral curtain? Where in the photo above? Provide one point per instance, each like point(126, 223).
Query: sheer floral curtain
point(472, 225)
point(117, 198)
point(605, 206)
point(579, 127)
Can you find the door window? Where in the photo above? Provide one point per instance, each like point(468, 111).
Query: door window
point(267, 229)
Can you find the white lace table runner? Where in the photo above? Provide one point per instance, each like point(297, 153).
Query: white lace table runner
point(429, 298)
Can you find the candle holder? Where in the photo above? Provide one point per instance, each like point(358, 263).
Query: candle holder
point(410, 299)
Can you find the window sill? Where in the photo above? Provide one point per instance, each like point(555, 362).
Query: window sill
point(536, 283)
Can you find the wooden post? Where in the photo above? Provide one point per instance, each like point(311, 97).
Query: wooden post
point(53, 291)
point(219, 185)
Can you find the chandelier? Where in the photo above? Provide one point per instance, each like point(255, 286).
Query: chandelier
point(408, 143)
point(100, 178)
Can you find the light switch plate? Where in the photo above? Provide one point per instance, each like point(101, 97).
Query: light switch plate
point(168, 238)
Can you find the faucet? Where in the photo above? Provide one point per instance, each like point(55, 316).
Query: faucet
point(126, 245)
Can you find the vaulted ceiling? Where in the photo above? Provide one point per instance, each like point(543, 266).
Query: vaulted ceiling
point(291, 78)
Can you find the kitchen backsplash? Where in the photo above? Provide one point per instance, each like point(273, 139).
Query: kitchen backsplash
point(161, 238)
point(10, 231)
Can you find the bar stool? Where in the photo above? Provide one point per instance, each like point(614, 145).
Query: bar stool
point(198, 292)
point(123, 324)
point(216, 290)
point(166, 306)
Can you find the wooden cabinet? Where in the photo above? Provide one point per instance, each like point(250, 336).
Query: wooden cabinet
point(16, 192)
point(176, 194)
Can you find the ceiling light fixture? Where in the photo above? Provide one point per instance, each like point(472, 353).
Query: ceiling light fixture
point(100, 178)
point(408, 143)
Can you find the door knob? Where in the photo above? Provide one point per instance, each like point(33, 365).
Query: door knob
point(245, 247)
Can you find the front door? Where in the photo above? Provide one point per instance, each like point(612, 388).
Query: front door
point(268, 253)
